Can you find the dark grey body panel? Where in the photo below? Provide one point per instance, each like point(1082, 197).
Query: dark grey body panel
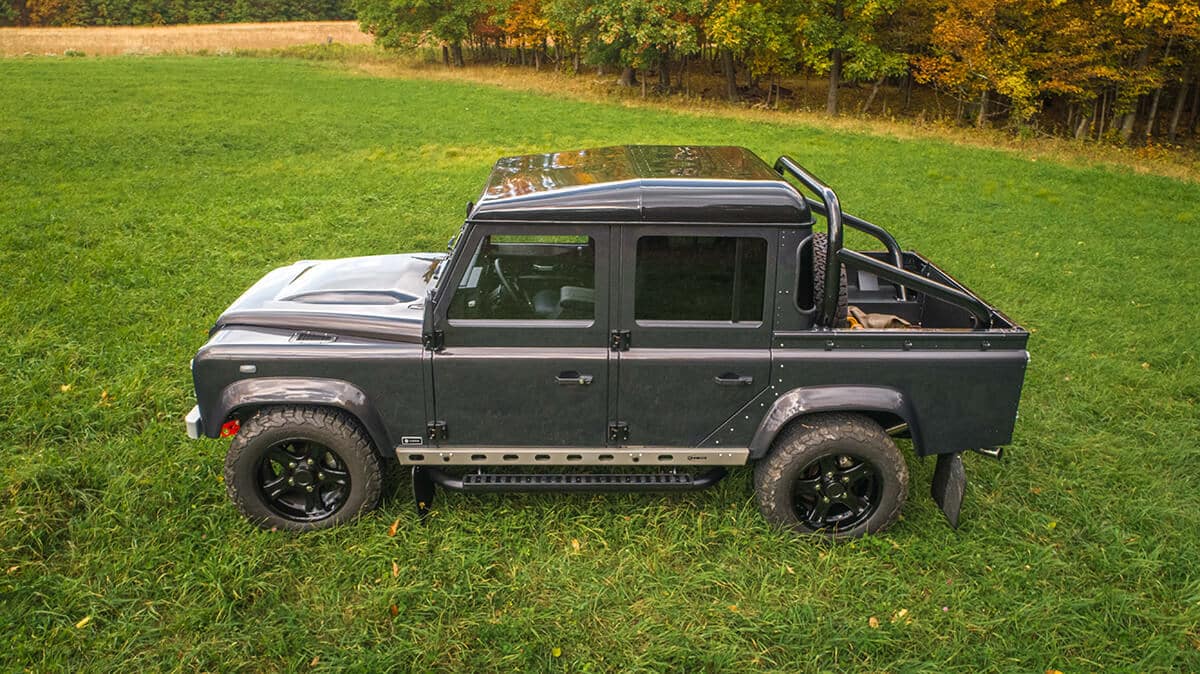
point(380, 383)
point(951, 400)
point(377, 297)
point(511, 396)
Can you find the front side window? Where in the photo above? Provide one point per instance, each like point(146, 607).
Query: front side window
point(528, 277)
point(700, 278)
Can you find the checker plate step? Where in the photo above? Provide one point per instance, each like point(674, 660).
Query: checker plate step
point(651, 482)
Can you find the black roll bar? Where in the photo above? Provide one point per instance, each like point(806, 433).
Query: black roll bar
point(836, 255)
point(882, 235)
point(833, 215)
point(901, 276)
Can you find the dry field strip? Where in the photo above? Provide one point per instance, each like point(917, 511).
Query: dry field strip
point(184, 38)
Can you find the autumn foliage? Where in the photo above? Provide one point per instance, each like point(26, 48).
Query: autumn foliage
point(1116, 70)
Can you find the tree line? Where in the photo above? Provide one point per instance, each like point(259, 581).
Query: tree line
point(1113, 70)
point(159, 12)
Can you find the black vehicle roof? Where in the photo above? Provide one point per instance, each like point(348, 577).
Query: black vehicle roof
point(641, 183)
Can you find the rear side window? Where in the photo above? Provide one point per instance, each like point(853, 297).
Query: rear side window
point(700, 278)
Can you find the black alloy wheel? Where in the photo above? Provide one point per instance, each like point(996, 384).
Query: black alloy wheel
point(303, 480)
point(835, 475)
point(836, 492)
point(302, 468)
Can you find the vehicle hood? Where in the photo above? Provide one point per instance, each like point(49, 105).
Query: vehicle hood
point(380, 296)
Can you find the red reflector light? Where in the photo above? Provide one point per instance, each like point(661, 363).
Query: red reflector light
point(230, 428)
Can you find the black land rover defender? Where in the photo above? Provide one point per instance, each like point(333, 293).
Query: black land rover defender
point(604, 319)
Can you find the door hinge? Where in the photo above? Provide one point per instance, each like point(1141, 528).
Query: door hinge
point(437, 431)
point(620, 340)
point(434, 341)
point(618, 431)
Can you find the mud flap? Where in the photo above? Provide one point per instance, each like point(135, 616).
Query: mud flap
point(949, 484)
point(423, 489)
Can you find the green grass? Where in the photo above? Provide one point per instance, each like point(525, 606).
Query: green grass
point(139, 197)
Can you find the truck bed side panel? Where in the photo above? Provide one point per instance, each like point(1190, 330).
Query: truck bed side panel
point(958, 399)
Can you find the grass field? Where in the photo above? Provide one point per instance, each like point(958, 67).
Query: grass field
point(138, 197)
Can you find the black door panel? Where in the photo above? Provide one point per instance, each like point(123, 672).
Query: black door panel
point(696, 303)
point(526, 358)
point(677, 397)
point(523, 396)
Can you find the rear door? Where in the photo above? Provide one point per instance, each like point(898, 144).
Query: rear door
point(525, 333)
point(697, 312)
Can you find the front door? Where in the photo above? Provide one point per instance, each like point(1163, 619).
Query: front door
point(525, 334)
point(698, 315)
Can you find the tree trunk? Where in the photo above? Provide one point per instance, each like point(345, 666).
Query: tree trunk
point(1150, 118)
point(730, 75)
point(664, 71)
point(835, 79)
point(537, 58)
point(575, 61)
point(1177, 112)
point(1085, 119)
point(981, 118)
point(445, 55)
point(871, 98)
point(456, 50)
point(1153, 113)
point(1193, 116)
point(1128, 119)
point(628, 77)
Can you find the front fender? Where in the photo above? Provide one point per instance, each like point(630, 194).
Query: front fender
point(297, 391)
point(813, 399)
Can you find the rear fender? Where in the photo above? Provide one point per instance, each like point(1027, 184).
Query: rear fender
point(254, 393)
point(814, 399)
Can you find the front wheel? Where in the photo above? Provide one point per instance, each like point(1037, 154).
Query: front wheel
point(302, 468)
point(834, 475)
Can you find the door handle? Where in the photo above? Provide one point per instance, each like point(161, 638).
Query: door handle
point(573, 378)
point(733, 379)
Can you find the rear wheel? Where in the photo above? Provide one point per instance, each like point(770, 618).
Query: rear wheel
point(302, 468)
point(834, 475)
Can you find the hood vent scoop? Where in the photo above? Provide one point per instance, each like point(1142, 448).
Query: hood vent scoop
point(320, 337)
point(367, 297)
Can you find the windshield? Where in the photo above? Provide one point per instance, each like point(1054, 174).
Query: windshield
point(451, 250)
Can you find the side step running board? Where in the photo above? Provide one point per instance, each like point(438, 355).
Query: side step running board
point(425, 478)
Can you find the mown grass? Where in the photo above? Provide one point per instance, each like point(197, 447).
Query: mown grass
point(138, 197)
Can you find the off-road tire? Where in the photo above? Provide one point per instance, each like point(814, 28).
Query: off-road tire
point(332, 428)
point(820, 243)
point(810, 438)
